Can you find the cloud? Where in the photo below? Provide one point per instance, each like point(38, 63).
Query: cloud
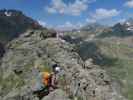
point(66, 26)
point(90, 20)
point(122, 20)
point(51, 10)
point(44, 24)
point(129, 4)
point(69, 26)
point(75, 9)
point(102, 13)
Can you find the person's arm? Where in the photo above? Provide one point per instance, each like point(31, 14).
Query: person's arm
point(53, 81)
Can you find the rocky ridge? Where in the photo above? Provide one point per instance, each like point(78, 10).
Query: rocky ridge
point(78, 79)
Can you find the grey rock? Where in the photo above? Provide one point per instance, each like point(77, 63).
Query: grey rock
point(56, 95)
point(76, 81)
point(89, 63)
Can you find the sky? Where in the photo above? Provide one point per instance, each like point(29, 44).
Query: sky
point(72, 13)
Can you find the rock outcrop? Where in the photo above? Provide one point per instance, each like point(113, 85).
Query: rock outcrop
point(2, 50)
point(56, 95)
point(77, 80)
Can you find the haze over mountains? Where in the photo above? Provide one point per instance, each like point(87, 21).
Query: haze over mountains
point(119, 29)
point(14, 22)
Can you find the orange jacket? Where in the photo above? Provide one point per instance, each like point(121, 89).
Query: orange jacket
point(46, 78)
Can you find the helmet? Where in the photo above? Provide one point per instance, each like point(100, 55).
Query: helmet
point(56, 68)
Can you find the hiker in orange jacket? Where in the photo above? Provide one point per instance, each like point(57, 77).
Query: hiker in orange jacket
point(50, 79)
point(47, 81)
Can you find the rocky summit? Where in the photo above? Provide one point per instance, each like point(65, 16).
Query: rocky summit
point(13, 23)
point(78, 80)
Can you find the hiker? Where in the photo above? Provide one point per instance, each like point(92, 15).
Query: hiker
point(60, 36)
point(46, 82)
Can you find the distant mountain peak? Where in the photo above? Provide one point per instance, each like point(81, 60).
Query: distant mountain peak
point(93, 28)
point(11, 12)
point(129, 25)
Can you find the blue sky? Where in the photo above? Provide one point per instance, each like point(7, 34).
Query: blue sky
point(73, 13)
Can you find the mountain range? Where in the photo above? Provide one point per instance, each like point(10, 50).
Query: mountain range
point(119, 30)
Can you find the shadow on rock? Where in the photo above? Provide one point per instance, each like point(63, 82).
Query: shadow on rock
point(2, 50)
point(88, 50)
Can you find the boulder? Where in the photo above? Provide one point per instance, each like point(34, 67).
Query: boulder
point(56, 95)
point(89, 63)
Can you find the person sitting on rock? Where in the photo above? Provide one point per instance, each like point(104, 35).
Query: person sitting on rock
point(46, 82)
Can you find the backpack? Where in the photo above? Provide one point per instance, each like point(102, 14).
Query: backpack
point(46, 77)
